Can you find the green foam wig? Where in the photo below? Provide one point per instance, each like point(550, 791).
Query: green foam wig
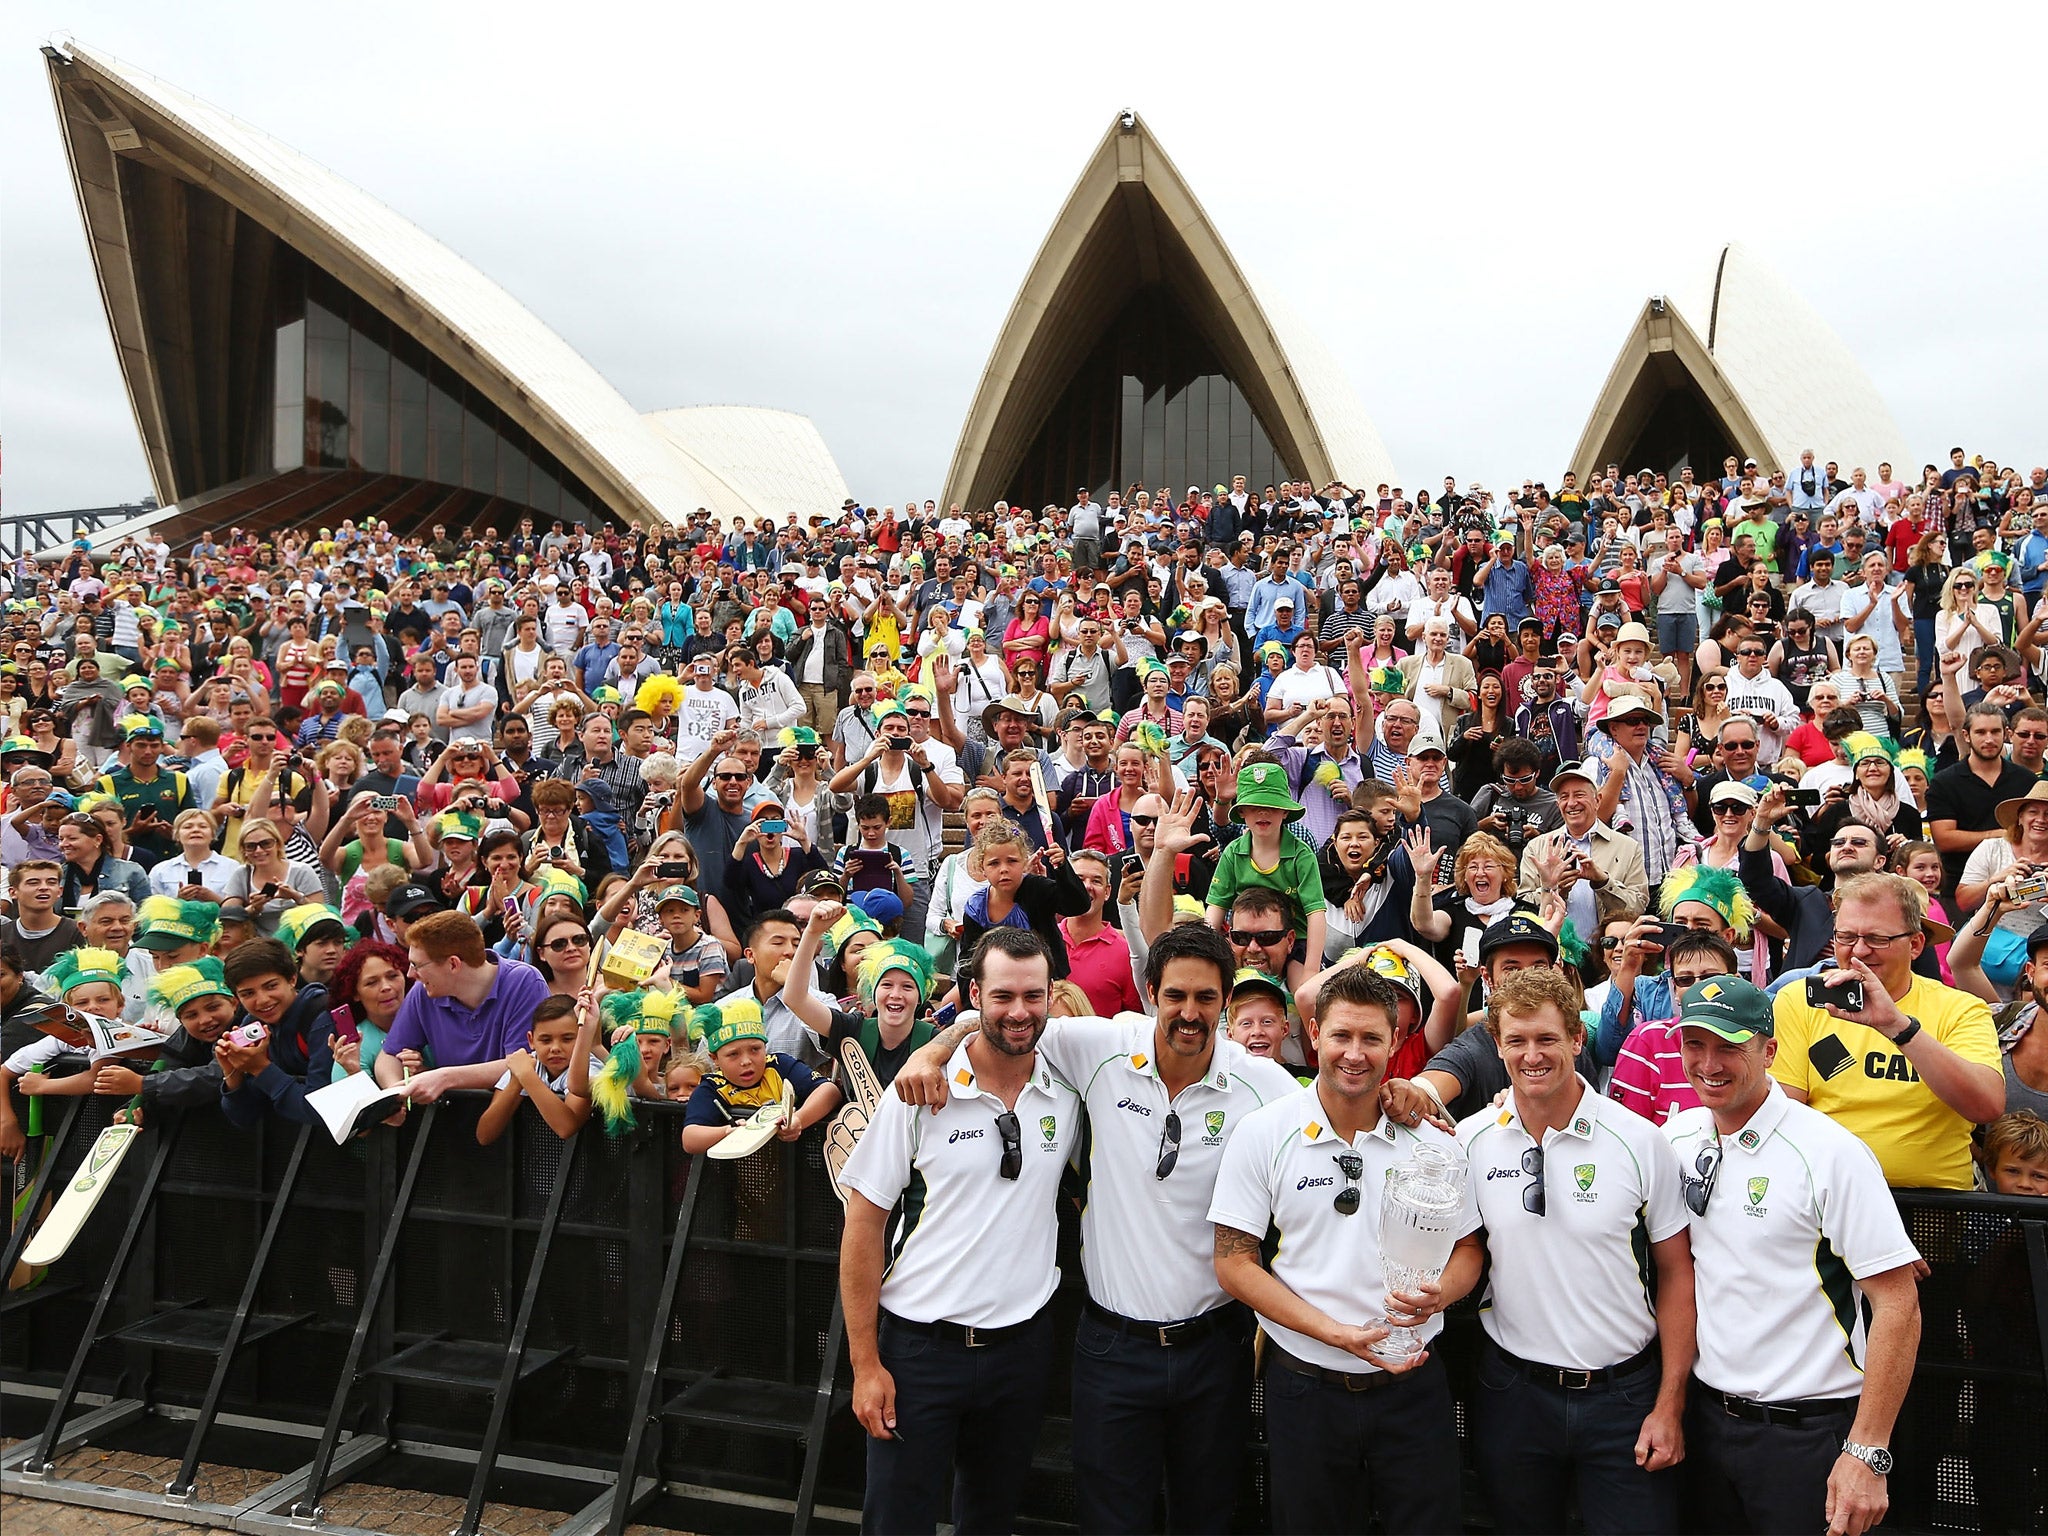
point(1715, 888)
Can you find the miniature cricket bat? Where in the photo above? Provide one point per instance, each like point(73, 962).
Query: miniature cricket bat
point(82, 1195)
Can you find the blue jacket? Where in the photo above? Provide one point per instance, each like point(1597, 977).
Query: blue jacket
point(301, 1052)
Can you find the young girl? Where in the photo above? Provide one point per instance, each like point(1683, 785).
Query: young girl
point(88, 980)
point(643, 1023)
point(1921, 864)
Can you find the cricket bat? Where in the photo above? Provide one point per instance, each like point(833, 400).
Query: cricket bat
point(1043, 801)
point(81, 1195)
point(863, 1096)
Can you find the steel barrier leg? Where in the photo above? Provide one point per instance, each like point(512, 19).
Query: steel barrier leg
point(515, 1349)
point(306, 1509)
point(814, 1446)
point(623, 1500)
point(181, 1485)
point(138, 1218)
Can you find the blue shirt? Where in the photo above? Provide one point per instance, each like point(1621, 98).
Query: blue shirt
point(1507, 592)
point(2031, 557)
point(593, 661)
point(461, 1036)
point(1266, 595)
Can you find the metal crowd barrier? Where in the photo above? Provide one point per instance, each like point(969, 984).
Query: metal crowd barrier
point(528, 1319)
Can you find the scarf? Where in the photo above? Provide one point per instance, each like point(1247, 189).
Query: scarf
point(1876, 812)
point(1491, 911)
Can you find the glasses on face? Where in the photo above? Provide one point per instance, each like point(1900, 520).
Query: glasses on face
point(917, 714)
point(1013, 1145)
point(1850, 941)
point(1729, 808)
point(1535, 1199)
point(1352, 1166)
point(1244, 938)
point(1715, 687)
point(262, 847)
point(567, 942)
point(1144, 821)
point(1518, 778)
point(732, 778)
point(1699, 1184)
point(1750, 651)
point(1169, 1145)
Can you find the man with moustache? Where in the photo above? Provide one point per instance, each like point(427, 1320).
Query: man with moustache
point(951, 1336)
point(1162, 1356)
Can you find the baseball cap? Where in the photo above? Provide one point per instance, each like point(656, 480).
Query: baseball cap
point(1251, 979)
point(1727, 1006)
point(819, 881)
point(687, 895)
point(1732, 789)
point(409, 900)
point(1516, 928)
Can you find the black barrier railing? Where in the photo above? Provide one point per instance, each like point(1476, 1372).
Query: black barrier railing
point(623, 1323)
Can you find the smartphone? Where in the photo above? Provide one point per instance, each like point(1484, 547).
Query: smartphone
point(771, 828)
point(510, 906)
point(1669, 934)
point(1803, 799)
point(672, 869)
point(1471, 948)
point(384, 802)
point(1848, 995)
point(346, 1028)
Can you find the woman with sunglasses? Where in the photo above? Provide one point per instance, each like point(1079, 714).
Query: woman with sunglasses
point(1732, 807)
point(979, 679)
point(562, 952)
point(1963, 622)
point(93, 864)
point(269, 884)
point(1028, 636)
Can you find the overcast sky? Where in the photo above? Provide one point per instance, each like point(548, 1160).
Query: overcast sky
point(830, 212)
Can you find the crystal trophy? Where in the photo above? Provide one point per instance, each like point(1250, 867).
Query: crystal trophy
point(1418, 1228)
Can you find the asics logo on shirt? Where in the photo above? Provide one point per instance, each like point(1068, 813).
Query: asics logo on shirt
point(1312, 1182)
point(1134, 1107)
point(974, 1135)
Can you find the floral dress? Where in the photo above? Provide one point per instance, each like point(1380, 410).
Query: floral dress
point(1556, 601)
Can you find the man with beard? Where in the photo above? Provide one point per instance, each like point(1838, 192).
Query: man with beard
point(952, 1346)
point(1345, 1442)
point(1517, 807)
point(1545, 719)
point(1162, 1363)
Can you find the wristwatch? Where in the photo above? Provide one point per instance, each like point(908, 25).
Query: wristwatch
point(1912, 1028)
point(1875, 1457)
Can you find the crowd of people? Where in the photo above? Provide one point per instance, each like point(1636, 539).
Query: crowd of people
point(1664, 856)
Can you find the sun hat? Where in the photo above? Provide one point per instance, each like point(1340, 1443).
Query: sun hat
point(1632, 631)
point(1263, 786)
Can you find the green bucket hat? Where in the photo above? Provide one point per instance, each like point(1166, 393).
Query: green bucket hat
point(1263, 786)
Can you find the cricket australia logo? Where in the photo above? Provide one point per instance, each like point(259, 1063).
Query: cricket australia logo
point(1048, 1126)
point(1212, 1123)
point(1584, 1174)
point(1757, 1188)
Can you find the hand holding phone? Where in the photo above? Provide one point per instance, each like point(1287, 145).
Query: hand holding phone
point(1847, 995)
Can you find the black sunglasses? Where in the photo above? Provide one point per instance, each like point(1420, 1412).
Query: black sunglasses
point(1013, 1145)
point(1352, 1166)
point(1245, 936)
point(1699, 1184)
point(564, 945)
point(1534, 1197)
point(729, 777)
point(1143, 821)
point(1169, 1145)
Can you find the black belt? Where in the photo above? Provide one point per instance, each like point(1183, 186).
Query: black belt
point(1574, 1380)
point(962, 1334)
point(1804, 1411)
point(1167, 1335)
point(1350, 1381)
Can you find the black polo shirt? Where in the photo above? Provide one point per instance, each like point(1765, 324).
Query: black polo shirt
point(1956, 794)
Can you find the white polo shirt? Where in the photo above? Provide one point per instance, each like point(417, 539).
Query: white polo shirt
point(1799, 1213)
point(1147, 1247)
point(973, 1247)
point(1571, 1287)
point(1280, 1170)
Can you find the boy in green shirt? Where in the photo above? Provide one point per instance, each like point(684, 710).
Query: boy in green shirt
point(1267, 854)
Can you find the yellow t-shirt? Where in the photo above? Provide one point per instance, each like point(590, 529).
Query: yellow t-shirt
point(1856, 1077)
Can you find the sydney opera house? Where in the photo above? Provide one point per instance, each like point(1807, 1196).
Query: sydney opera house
point(295, 352)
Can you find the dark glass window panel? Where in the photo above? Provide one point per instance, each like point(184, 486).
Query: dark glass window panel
point(408, 408)
point(444, 426)
point(576, 500)
point(1679, 426)
point(326, 378)
point(544, 493)
point(513, 467)
point(369, 397)
point(1151, 402)
point(479, 443)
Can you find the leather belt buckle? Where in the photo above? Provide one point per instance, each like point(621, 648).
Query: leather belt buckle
point(968, 1339)
point(1574, 1381)
point(1166, 1334)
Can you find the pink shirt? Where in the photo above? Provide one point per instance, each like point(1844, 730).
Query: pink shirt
point(1101, 968)
point(1649, 1074)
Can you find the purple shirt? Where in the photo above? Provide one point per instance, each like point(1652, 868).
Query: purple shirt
point(453, 1034)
